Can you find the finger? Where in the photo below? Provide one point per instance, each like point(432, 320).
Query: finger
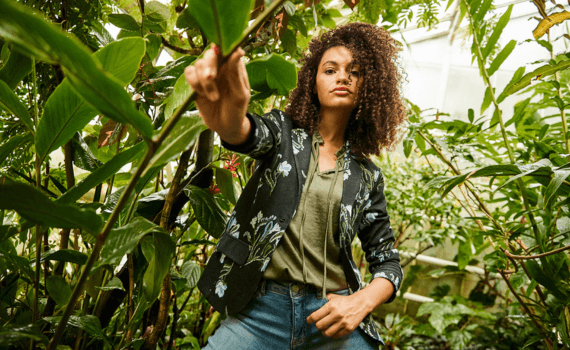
point(327, 322)
point(207, 69)
point(192, 79)
point(243, 74)
point(319, 314)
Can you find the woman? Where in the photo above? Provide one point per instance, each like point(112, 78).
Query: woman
point(288, 240)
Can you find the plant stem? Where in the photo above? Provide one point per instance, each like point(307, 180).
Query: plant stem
point(528, 257)
point(487, 80)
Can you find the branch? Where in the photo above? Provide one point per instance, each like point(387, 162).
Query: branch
point(528, 257)
point(193, 52)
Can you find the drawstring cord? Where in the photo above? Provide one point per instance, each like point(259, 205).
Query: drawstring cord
point(329, 227)
point(311, 174)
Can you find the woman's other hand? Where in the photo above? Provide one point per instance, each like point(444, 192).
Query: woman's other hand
point(222, 96)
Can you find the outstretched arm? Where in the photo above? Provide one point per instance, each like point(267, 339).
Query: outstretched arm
point(223, 96)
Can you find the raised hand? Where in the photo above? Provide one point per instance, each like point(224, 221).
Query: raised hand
point(223, 95)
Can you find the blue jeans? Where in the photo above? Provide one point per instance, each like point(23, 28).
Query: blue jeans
point(276, 319)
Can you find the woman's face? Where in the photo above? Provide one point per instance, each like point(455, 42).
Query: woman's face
point(339, 80)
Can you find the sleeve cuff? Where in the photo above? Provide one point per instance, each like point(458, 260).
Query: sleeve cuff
point(249, 144)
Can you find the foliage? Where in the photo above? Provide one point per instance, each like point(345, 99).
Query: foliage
point(515, 174)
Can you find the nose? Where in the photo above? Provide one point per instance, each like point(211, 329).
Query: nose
point(343, 77)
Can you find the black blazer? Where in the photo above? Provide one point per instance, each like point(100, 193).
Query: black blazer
point(268, 203)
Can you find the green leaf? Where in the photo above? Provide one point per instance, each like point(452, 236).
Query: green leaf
point(124, 21)
point(68, 255)
point(15, 69)
point(501, 57)
point(10, 145)
point(486, 100)
point(482, 11)
point(225, 182)
point(222, 21)
point(289, 42)
point(158, 266)
point(33, 205)
point(501, 24)
point(186, 20)
point(179, 94)
point(471, 115)
point(180, 139)
point(102, 173)
point(123, 240)
point(58, 288)
point(554, 185)
point(209, 215)
point(535, 75)
point(542, 167)
point(66, 113)
point(47, 42)
point(11, 103)
point(114, 283)
point(191, 272)
point(272, 71)
point(156, 12)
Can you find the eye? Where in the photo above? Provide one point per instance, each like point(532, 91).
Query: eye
point(355, 73)
point(329, 71)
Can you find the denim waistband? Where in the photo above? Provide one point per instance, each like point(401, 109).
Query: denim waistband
point(294, 288)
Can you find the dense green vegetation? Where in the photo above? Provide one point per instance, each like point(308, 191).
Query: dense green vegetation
point(113, 193)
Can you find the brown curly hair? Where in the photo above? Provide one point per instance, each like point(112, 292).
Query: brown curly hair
point(376, 123)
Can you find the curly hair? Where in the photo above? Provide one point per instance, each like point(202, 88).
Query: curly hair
point(376, 123)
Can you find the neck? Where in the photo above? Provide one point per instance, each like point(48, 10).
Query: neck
point(333, 126)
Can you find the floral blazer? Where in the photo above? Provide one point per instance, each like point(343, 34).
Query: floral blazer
point(268, 203)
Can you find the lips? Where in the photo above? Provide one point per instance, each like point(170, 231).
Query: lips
point(341, 89)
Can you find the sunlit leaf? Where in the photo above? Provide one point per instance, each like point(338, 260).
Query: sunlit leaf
point(272, 72)
point(47, 42)
point(501, 57)
point(535, 75)
point(497, 31)
point(222, 21)
point(66, 113)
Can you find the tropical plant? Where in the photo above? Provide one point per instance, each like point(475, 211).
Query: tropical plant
point(512, 175)
point(112, 193)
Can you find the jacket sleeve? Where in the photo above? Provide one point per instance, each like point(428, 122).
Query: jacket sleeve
point(377, 238)
point(264, 137)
